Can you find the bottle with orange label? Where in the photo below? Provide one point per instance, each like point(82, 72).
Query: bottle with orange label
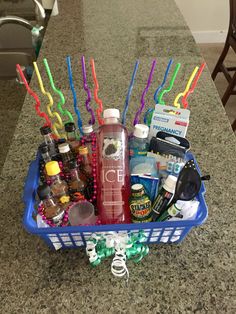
point(85, 165)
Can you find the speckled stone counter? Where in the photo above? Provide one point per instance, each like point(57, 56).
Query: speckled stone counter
point(197, 276)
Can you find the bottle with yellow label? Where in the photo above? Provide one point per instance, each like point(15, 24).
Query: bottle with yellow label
point(58, 187)
point(140, 204)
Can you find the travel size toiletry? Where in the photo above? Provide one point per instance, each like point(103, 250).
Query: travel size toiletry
point(163, 198)
point(138, 143)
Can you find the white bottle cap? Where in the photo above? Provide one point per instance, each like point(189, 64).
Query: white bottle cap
point(141, 131)
point(64, 148)
point(137, 187)
point(87, 129)
point(111, 113)
point(170, 184)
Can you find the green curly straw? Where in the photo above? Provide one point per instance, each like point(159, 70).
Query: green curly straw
point(167, 90)
point(64, 112)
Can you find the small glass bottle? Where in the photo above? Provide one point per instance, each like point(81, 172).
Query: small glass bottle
point(87, 137)
point(44, 150)
point(71, 137)
point(75, 182)
point(138, 144)
point(140, 204)
point(52, 210)
point(85, 163)
point(48, 139)
point(58, 187)
point(66, 155)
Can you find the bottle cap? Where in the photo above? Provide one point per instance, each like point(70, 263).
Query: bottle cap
point(170, 184)
point(43, 191)
point(72, 164)
point(70, 127)
point(141, 131)
point(61, 141)
point(83, 150)
point(64, 148)
point(111, 113)
point(137, 187)
point(52, 168)
point(87, 129)
point(45, 130)
point(43, 148)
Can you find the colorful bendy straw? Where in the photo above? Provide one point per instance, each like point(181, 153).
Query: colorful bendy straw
point(159, 88)
point(138, 113)
point(131, 85)
point(148, 114)
point(176, 104)
point(167, 90)
point(37, 105)
point(86, 88)
point(79, 120)
point(95, 92)
point(64, 112)
point(55, 125)
point(191, 90)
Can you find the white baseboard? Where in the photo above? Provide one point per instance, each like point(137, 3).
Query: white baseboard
point(203, 37)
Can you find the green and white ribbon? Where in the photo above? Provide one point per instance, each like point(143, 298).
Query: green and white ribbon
point(123, 245)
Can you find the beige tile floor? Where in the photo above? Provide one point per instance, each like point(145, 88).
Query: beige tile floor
point(211, 53)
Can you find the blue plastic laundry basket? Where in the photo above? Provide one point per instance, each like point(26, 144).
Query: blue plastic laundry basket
point(72, 237)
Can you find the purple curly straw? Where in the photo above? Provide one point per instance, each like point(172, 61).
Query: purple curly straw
point(86, 88)
point(138, 113)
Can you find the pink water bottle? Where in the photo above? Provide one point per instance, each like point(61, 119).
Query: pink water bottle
point(113, 170)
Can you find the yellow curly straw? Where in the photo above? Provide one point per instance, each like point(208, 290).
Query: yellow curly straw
point(55, 125)
point(176, 104)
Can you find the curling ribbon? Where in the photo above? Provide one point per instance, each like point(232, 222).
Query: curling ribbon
point(79, 120)
point(96, 88)
point(138, 113)
point(176, 104)
point(55, 125)
point(124, 245)
point(86, 88)
point(37, 105)
point(64, 112)
point(191, 90)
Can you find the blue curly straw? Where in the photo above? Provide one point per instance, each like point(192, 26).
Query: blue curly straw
point(79, 120)
point(131, 85)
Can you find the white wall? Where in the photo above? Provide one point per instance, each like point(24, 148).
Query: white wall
point(207, 19)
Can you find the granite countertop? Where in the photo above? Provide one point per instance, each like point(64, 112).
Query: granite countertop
point(196, 276)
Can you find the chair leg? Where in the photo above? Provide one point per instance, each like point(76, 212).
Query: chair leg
point(234, 125)
point(220, 60)
point(229, 90)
